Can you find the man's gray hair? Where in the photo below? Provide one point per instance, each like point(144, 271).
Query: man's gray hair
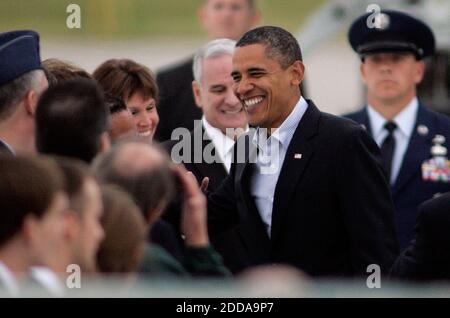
point(211, 50)
point(12, 92)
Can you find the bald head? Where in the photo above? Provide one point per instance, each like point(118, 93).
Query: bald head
point(134, 157)
point(142, 170)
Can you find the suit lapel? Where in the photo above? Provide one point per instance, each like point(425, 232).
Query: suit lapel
point(418, 150)
point(362, 117)
point(215, 171)
point(252, 228)
point(294, 166)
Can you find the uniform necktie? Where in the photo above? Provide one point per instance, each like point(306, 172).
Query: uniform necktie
point(388, 147)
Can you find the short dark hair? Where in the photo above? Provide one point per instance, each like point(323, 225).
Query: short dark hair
point(123, 78)
point(117, 252)
point(12, 92)
point(280, 44)
point(58, 71)
point(27, 186)
point(70, 119)
point(75, 173)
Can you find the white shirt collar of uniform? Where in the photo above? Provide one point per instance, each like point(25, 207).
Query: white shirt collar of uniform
point(8, 280)
point(48, 279)
point(222, 142)
point(285, 132)
point(405, 120)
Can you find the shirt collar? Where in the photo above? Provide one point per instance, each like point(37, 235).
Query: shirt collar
point(405, 120)
point(9, 280)
point(222, 142)
point(48, 279)
point(285, 132)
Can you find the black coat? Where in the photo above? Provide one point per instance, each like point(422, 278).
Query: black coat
point(216, 173)
point(176, 107)
point(333, 214)
point(428, 255)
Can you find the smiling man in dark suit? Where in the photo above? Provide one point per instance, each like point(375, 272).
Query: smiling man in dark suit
point(392, 53)
point(312, 194)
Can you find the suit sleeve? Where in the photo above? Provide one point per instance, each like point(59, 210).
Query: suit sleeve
point(427, 256)
point(164, 105)
point(222, 208)
point(366, 203)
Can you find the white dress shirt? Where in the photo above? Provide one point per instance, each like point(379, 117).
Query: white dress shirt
point(272, 152)
point(405, 122)
point(46, 278)
point(222, 143)
point(8, 281)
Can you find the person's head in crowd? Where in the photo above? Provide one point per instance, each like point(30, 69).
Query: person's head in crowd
point(391, 54)
point(228, 18)
point(267, 72)
point(72, 120)
point(33, 208)
point(119, 253)
point(143, 171)
point(136, 86)
point(213, 86)
point(121, 123)
point(58, 71)
point(274, 280)
point(22, 81)
point(84, 231)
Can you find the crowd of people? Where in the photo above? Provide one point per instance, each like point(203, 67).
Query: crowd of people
point(220, 166)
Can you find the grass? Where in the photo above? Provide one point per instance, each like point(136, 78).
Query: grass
point(129, 19)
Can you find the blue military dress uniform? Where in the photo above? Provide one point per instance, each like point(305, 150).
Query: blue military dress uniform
point(394, 31)
point(409, 189)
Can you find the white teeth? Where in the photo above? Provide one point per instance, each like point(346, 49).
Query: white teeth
point(253, 101)
point(147, 133)
point(232, 112)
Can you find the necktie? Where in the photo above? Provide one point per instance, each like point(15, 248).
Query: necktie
point(388, 147)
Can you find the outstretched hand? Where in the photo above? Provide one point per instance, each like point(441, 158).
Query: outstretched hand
point(194, 214)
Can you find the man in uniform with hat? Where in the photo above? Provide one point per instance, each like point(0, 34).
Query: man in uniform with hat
point(21, 83)
point(412, 138)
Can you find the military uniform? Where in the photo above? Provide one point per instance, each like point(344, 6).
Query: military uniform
point(417, 178)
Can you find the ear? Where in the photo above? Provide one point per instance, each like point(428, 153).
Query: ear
point(197, 93)
point(105, 143)
point(419, 71)
point(30, 102)
point(362, 71)
point(71, 226)
point(298, 73)
point(30, 229)
point(155, 214)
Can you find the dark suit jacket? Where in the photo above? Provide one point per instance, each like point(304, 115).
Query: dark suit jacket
point(409, 190)
point(428, 255)
point(177, 106)
point(216, 173)
point(332, 212)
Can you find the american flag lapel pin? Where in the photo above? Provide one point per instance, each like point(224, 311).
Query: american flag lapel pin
point(298, 156)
